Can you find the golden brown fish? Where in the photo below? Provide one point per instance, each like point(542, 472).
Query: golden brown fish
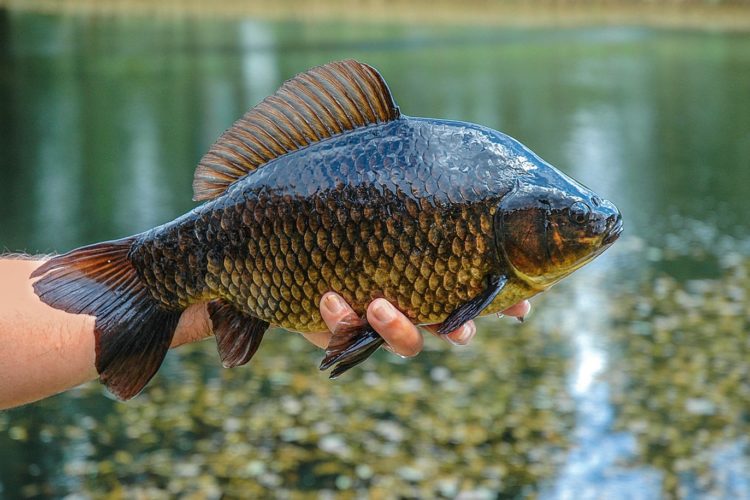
point(326, 186)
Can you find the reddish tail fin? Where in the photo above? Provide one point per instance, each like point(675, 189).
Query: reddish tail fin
point(133, 331)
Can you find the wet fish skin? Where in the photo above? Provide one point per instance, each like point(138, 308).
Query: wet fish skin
point(403, 211)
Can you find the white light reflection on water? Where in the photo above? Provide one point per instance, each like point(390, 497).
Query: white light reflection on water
point(591, 469)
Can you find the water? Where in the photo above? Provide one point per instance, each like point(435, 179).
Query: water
point(628, 381)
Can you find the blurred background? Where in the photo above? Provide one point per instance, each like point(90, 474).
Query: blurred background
point(631, 379)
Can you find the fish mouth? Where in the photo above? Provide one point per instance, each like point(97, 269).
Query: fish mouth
point(613, 233)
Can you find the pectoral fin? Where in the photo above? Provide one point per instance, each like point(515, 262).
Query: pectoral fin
point(350, 345)
point(472, 308)
point(237, 335)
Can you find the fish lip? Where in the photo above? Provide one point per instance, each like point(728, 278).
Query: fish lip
point(613, 233)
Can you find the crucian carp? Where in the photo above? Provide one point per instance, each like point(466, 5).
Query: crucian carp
point(324, 186)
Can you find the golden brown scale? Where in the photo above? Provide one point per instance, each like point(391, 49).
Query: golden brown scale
point(285, 256)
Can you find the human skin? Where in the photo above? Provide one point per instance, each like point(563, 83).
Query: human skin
point(44, 351)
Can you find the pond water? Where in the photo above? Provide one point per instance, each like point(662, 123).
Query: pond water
point(631, 379)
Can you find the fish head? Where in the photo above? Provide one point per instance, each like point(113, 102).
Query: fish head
point(549, 225)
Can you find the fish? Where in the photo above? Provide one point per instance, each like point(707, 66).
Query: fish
point(326, 186)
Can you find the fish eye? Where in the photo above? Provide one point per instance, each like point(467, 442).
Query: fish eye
point(579, 212)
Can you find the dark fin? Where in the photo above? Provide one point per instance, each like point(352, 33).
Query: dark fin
point(350, 345)
point(132, 331)
point(472, 308)
point(312, 106)
point(237, 335)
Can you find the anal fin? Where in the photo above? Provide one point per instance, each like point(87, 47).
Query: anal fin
point(237, 335)
point(351, 343)
point(474, 307)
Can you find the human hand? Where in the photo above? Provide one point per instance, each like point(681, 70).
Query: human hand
point(194, 325)
point(401, 336)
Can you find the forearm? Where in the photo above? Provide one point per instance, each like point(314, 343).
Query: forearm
point(44, 351)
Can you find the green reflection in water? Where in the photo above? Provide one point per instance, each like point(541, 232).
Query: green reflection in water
point(103, 119)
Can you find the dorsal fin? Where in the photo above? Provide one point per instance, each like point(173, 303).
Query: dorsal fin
point(314, 105)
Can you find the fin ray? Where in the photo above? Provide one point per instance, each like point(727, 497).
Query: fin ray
point(317, 104)
point(350, 344)
point(238, 336)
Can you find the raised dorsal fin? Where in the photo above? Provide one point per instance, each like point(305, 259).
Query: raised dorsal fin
point(314, 105)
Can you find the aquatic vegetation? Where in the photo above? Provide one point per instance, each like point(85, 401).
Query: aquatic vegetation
point(681, 379)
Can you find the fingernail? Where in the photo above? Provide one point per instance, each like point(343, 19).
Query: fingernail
point(500, 315)
point(333, 303)
point(383, 311)
point(467, 333)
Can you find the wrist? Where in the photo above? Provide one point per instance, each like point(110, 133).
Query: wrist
point(194, 325)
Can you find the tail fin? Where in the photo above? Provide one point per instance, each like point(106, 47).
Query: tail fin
point(133, 332)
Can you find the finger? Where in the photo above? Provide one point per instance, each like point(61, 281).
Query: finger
point(334, 310)
point(395, 328)
point(194, 325)
point(320, 339)
point(465, 333)
point(518, 310)
point(460, 336)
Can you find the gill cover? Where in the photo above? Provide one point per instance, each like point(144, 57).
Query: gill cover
point(548, 231)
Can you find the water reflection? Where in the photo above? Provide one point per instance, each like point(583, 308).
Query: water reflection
point(142, 180)
point(593, 467)
point(58, 189)
point(260, 71)
point(631, 374)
